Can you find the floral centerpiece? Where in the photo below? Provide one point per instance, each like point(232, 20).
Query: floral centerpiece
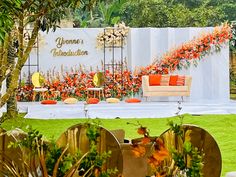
point(113, 36)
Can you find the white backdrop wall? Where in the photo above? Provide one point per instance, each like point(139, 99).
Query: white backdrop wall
point(210, 78)
point(144, 45)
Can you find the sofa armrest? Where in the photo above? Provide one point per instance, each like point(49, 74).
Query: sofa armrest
point(188, 82)
point(145, 83)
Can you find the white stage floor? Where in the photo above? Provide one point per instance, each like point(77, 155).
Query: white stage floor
point(36, 110)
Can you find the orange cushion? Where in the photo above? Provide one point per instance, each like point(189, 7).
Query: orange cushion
point(133, 100)
point(181, 81)
point(173, 80)
point(49, 102)
point(165, 80)
point(154, 79)
point(92, 101)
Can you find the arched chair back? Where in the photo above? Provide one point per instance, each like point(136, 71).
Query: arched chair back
point(98, 79)
point(38, 82)
point(98, 82)
point(11, 158)
point(205, 143)
point(76, 138)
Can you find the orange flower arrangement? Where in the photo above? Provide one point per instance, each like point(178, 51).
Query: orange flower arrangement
point(138, 150)
point(75, 84)
point(142, 131)
point(159, 155)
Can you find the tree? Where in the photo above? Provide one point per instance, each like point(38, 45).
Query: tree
point(227, 7)
point(152, 13)
point(229, 10)
point(15, 16)
point(8, 54)
point(171, 13)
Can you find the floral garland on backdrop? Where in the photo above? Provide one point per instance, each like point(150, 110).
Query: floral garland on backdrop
point(75, 82)
point(191, 51)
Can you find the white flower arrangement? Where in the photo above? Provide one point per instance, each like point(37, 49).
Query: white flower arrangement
point(113, 36)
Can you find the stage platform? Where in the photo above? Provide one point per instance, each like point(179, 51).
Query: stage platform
point(35, 110)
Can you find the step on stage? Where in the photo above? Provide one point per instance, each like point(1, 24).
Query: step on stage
point(35, 110)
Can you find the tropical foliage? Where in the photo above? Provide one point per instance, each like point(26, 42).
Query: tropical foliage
point(103, 15)
point(158, 13)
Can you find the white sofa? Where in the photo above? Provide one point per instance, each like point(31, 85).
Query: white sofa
point(149, 91)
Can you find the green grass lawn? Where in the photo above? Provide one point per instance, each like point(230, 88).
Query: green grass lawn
point(221, 127)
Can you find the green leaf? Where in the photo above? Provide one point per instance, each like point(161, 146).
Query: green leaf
point(84, 24)
point(115, 20)
point(187, 147)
